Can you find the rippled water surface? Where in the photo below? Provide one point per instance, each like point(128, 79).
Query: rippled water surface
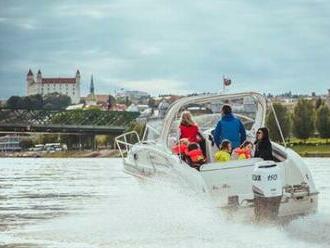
point(92, 203)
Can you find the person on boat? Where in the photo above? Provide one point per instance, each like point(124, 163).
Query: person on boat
point(181, 147)
point(194, 156)
point(244, 151)
point(223, 155)
point(263, 145)
point(190, 130)
point(230, 128)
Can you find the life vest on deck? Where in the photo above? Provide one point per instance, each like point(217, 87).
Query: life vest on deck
point(243, 153)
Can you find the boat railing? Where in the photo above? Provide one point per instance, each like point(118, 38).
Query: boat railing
point(125, 141)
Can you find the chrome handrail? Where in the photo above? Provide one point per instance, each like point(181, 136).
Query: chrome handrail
point(122, 140)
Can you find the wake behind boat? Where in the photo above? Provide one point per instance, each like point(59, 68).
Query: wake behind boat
point(254, 188)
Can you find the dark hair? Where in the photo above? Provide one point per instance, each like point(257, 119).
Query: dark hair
point(193, 146)
point(226, 109)
point(246, 143)
point(224, 144)
point(265, 132)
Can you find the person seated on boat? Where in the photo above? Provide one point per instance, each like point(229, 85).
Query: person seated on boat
point(190, 130)
point(223, 155)
point(244, 151)
point(181, 147)
point(263, 145)
point(229, 127)
point(194, 155)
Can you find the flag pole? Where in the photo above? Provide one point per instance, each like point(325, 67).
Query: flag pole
point(223, 83)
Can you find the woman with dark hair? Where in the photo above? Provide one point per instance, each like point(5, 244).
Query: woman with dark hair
point(263, 145)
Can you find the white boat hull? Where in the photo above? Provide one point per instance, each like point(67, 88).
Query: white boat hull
point(220, 181)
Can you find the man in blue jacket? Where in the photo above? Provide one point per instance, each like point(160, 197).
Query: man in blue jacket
point(230, 128)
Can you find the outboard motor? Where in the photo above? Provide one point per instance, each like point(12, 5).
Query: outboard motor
point(267, 189)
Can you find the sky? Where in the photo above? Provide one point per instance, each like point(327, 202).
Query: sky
point(168, 47)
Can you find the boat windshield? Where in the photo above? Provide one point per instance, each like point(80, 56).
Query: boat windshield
point(153, 130)
point(207, 114)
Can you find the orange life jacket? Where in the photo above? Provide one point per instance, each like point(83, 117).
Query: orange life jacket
point(243, 153)
point(196, 155)
point(179, 149)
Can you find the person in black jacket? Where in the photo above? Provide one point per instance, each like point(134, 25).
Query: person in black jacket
point(263, 145)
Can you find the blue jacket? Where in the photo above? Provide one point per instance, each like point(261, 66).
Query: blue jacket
point(231, 128)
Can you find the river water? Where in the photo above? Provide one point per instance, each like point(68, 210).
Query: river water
point(92, 203)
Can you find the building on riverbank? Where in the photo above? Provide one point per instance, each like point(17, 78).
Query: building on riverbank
point(63, 85)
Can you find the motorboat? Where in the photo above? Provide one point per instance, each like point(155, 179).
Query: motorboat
point(253, 188)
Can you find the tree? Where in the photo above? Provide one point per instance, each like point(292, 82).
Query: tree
point(26, 102)
point(283, 117)
point(138, 127)
point(56, 101)
point(36, 101)
point(12, 102)
point(152, 103)
point(111, 102)
point(318, 103)
point(26, 143)
point(322, 121)
point(303, 119)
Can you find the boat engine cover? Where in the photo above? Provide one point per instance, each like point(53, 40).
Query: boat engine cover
point(266, 179)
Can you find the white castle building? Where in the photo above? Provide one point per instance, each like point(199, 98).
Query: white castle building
point(44, 86)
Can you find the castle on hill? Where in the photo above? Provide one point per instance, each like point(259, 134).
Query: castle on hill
point(43, 86)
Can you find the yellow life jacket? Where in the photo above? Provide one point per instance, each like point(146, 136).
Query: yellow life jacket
point(222, 156)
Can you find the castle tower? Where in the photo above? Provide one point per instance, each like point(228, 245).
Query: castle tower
point(29, 82)
point(77, 88)
point(78, 77)
point(39, 77)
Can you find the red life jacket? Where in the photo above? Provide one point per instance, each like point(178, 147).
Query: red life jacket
point(179, 149)
point(189, 132)
point(196, 155)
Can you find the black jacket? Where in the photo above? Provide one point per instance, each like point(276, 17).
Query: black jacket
point(264, 150)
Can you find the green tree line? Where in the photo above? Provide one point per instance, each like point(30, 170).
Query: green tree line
point(304, 122)
point(49, 101)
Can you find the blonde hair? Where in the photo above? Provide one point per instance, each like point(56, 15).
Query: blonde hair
point(186, 119)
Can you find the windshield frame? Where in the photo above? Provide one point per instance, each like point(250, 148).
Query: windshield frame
point(171, 116)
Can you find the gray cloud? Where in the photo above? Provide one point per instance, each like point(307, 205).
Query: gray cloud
point(270, 46)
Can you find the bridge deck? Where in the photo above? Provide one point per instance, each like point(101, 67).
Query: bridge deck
point(61, 121)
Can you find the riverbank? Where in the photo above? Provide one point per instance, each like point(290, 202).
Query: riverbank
point(309, 150)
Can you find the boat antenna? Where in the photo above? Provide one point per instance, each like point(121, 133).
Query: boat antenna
point(277, 122)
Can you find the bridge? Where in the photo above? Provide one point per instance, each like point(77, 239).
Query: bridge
point(65, 121)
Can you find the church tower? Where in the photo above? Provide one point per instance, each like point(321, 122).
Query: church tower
point(91, 99)
point(92, 89)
